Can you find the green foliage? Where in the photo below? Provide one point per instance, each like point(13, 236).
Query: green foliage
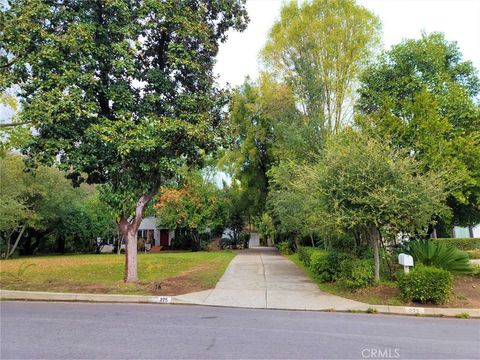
point(291, 206)
point(461, 243)
point(318, 48)
point(185, 239)
point(305, 253)
point(239, 240)
point(326, 264)
point(14, 209)
point(476, 271)
point(355, 274)
point(196, 204)
point(381, 190)
point(439, 254)
point(265, 226)
point(255, 111)
point(120, 93)
point(243, 239)
point(423, 98)
point(285, 248)
point(57, 217)
point(426, 284)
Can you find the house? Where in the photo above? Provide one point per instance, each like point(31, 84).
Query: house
point(149, 232)
point(472, 231)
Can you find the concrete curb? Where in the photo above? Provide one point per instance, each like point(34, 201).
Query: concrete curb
point(426, 311)
point(109, 298)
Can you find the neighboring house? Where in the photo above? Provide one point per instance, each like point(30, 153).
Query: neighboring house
point(466, 232)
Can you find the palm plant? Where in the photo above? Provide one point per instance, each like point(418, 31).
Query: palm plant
point(440, 255)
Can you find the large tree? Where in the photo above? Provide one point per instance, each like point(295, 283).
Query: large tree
point(319, 48)
point(362, 184)
point(256, 111)
point(423, 97)
point(120, 92)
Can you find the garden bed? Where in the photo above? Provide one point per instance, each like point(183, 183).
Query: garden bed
point(159, 274)
point(466, 291)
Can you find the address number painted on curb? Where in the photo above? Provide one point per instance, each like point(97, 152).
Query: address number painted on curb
point(414, 310)
point(164, 299)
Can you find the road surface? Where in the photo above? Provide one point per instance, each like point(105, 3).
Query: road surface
point(32, 330)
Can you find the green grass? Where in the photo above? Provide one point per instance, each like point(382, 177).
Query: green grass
point(104, 273)
point(463, 315)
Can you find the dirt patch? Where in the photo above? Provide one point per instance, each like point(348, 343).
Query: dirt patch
point(187, 282)
point(174, 286)
point(466, 294)
point(380, 294)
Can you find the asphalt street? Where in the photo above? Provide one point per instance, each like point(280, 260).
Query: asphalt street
point(33, 330)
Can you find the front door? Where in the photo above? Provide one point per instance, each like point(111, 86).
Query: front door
point(164, 237)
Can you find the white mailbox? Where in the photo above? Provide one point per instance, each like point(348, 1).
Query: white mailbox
point(406, 261)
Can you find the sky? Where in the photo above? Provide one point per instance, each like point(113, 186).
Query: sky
point(459, 20)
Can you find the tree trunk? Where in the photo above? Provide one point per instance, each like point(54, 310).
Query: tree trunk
point(296, 241)
point(131, 256)
point(128, 227)
point(311, 239)
point(19, 236)
point(374, 242)
point(8, 239)
point(61, 245)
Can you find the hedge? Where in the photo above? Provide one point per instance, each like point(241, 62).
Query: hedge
point(284, 248)
point(326, 264)
point(305, 253)
point(355, 274)
point(426, 284)
point(461, 243)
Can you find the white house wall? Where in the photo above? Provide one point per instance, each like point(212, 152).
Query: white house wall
point(464, 232)
point(476, 231)
point(150, 223)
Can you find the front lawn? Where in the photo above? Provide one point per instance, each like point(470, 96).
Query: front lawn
point(466, 291)
point(170, 273)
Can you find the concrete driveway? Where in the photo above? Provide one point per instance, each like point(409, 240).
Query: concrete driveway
point(262, 278)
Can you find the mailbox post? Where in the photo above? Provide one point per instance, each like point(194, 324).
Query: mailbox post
point(406, 261)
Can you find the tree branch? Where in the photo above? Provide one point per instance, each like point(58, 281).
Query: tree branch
point(2, 125)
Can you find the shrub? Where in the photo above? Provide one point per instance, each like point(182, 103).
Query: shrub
point(284, 248)
point(426, 284)
point(461, 243)
point(476, 271)
point(243, 239)
point(183, 241)
point(227, 243)
point(439, 254)
point(355, 274)
point(305, 253)
point(326, 264)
